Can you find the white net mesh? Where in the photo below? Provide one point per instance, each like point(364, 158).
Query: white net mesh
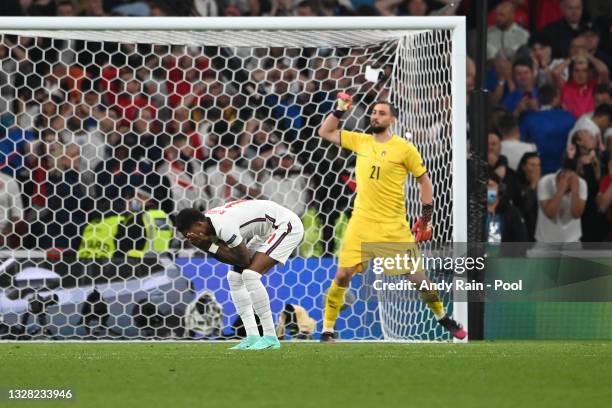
point(108, 134)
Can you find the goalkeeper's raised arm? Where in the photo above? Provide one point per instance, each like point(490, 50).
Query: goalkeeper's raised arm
point(329, 128)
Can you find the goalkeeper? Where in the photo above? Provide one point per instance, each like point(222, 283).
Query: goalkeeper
point(379, 216)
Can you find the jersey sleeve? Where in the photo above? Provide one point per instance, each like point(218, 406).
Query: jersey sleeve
point(545, 190)
point(413, 161)
point(352, 140)
point(227, 231)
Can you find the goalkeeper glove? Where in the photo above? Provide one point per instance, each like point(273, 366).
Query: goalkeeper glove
point(422, 229)
point(344, 102)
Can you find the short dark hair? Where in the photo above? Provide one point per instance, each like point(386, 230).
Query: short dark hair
point(547, 93)
point(604, 109)
point(187, 217)
point(506, 124)
point(526, 62)
point(392, 108)
point(540, 38)
point(307, 3)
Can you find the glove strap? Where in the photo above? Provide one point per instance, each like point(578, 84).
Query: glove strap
point(427, 211)
point(338, 114)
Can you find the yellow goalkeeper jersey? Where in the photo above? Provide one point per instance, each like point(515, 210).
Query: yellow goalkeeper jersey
point(381, 172)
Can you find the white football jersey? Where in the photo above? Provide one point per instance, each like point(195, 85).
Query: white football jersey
point(242, 220)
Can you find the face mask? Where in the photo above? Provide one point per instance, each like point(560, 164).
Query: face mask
point(491, 196)
point(136, 206)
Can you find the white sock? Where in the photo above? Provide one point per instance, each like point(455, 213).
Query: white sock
point(242, 302)
point(260, 300)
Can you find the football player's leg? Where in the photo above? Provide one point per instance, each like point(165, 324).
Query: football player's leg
point(350, 261)
point(335, 297)
point(430, 297)
point(244, 307)
point(251, 277)
point(433, 301)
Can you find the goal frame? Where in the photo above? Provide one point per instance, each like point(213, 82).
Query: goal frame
point(456, 24)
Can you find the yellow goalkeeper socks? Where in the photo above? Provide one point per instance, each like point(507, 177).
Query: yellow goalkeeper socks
point(333, 302)
point(433, 301)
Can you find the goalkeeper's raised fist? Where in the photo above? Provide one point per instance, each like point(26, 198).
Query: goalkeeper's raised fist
point(344, 102)
point(422, 229)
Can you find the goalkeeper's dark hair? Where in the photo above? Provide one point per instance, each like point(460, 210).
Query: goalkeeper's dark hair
point(392, 107)
point(187, 217)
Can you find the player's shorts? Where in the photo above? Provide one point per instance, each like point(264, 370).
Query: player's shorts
point(280, 244)
point(365, 240)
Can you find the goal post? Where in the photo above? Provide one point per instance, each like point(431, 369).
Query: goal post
point(262, 83)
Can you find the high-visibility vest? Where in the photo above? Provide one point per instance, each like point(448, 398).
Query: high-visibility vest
point(313, 234)
point(158, 231)
point(99, 238)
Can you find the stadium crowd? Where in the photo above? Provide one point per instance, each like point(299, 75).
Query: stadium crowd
point(115, 128)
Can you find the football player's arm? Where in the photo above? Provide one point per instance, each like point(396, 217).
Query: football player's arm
point(329, 128)
point(237, 256)
point(426, 188)
point(423, 229)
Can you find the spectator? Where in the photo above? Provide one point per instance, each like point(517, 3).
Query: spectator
point(11, 207)
point(565, 30)
point(94, 8)
point(130, 100)
point(541, 53)
point(577, 92)
point(602, 94)
point(307, 8)
point(185, 174)
point(59, 223)
point(336, 8)
point(504, 221)
point(591, 37)
point(282, 8)
point(560, 70)
point(529, 174)
point(206, 8)
point(145, 230)
point(562, 197)
point(522, 94)
point(604, 200)
point(159, 8)
point(286, 184)
point(125, 171)
point(548, 128)
point(401, 7)
point(520, 14)
point(227, 181)
point(505, 37)
point(499, 164)
point(67, 8)
point(587, 165)
point(512, 147)
point(594, 123)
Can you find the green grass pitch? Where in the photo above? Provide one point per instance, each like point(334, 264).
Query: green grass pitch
point(344, 375)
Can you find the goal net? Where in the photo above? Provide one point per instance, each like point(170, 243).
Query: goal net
point(110, 131)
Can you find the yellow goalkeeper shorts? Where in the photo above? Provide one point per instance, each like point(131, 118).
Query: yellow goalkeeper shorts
point(365, 240)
